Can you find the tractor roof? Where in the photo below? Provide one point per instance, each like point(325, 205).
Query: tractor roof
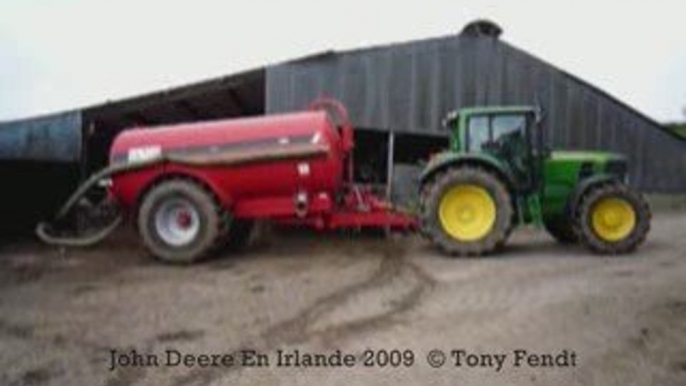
point(586, 155)
point(496, 110)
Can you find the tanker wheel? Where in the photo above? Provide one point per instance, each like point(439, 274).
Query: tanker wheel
point(613, 219)
point(562, 230)
point(468, 211)
point(180, 222)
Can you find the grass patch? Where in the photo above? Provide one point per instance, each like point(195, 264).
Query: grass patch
point(679, 129)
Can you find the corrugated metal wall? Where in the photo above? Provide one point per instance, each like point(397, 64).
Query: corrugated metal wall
point(410, 87)
point(51, 138)
point(39, 167)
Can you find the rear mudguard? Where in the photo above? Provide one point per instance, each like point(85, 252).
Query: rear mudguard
point(447, 160)
point(443, 161)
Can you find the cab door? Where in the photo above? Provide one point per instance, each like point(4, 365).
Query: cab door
point(506, 137)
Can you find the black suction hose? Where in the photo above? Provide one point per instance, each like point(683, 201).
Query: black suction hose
point(76, 241)
point(91, 239)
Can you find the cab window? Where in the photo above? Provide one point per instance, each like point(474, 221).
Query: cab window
point(478, 132)
point(485, 132)
point(504, 125)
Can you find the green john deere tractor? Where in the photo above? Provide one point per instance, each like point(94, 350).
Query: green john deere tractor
point(499, 173)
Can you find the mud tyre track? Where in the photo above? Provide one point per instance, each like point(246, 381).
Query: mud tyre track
point(301, 328)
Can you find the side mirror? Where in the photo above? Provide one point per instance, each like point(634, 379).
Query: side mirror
point(538, 115)
point(540, 137)
point(449, 120)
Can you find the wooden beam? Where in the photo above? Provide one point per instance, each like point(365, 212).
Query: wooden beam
point(390, 166)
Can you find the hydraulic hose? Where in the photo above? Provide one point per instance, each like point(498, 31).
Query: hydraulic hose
point(76, 241)
point(42, 229)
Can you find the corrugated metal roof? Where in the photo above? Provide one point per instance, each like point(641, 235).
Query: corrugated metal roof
point(409, 87)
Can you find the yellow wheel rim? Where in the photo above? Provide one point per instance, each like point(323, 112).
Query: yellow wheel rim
point(613, 218)
point(467, 212)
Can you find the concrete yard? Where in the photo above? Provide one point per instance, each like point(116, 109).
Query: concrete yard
point(624, 318)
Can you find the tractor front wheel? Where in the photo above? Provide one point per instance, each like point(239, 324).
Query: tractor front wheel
point(467, 211)
point(613, 219)
point(180, 222)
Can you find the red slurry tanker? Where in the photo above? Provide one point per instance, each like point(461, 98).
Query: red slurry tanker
point(192, 187)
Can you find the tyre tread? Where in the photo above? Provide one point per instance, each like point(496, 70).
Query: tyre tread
point(433, 191)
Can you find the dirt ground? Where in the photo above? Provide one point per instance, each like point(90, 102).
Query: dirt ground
point(62, 311)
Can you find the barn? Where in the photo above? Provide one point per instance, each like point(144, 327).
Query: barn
point(397, 96)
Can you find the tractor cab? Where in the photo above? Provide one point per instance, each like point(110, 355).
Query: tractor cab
point(510, 135)
point(514, 137)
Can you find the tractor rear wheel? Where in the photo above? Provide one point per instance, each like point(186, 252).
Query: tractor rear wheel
point(180, 222)
point(613, 219)
point(467, 211)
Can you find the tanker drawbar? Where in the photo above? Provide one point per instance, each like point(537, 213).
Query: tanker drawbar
point(191, 188)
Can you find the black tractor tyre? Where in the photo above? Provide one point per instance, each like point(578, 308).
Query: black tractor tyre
point(208, 221)
point(584, 227)
point(423, 196)
point(440, 185)
point(562, 231)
